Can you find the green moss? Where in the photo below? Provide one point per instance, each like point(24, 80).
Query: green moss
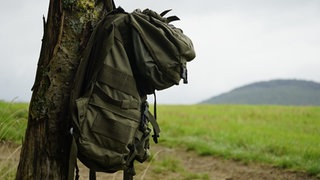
point(68, 4)
point(85, 5)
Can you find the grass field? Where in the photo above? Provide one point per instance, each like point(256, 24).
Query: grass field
point(13, 121)
point(283, 136)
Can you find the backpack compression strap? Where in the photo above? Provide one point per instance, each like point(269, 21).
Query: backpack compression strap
point(153, 120)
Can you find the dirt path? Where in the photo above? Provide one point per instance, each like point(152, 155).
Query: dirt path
point(175, 164)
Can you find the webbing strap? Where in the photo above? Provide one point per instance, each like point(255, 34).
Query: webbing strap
point(153, 121)
point(92, 175)
point(118, 80)
point(73, 160)
point(110, 6)
point(156, 128)
point(130, 172)
point(124, 104)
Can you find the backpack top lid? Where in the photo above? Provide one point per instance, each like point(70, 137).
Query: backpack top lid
point(175, 36)
point(161, 49)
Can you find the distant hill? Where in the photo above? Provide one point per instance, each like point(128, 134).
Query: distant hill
point(274, 92)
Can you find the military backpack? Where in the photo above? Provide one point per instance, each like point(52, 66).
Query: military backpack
point(128, 56)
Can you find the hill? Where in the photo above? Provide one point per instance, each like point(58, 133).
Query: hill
point(275, 92)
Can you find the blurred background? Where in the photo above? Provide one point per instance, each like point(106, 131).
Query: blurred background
point(237, 43)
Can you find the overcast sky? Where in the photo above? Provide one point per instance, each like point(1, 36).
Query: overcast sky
point(237, 42)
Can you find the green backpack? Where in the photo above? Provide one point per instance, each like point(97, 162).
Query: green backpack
point(123, 62)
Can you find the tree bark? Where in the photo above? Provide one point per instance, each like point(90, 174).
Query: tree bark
point(45, 149)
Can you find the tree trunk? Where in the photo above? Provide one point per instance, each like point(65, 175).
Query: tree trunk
point(45, 149)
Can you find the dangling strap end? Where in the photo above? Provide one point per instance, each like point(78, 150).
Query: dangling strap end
point(165, 12)
point(92, 175)
point(184, 74)
point(172, 18)
point(155, 137)
point(130, 172)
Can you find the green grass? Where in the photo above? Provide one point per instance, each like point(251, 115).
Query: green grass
point(13, 121)
point(284, 136)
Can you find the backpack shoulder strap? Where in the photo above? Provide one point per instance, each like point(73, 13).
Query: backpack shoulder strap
point(87, 71)
point(110, 6)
